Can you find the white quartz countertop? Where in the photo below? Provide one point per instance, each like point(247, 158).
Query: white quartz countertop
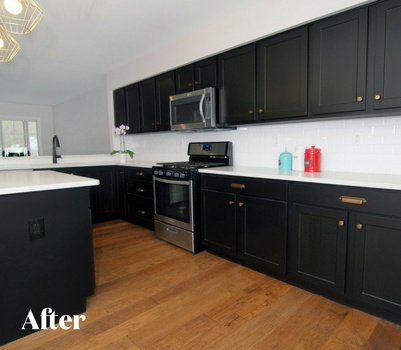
point(12, 182)
point(383, 181)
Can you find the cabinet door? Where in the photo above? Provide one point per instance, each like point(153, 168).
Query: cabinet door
point(318, 245)
point(184, 78)
point(282, 75)
point(219, 222)
point(165, 87)
point(147, 95)
point(205, 73)
point(338, 68)
point(377, 261)
point(262, 232)
point(387, 87)
point(120, 184)
point(237, 85)
point(120, 116)
point(106, 195)
point(133, 117)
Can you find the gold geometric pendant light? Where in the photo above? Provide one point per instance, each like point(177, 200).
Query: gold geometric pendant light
point(8, 46)
point(19, 16)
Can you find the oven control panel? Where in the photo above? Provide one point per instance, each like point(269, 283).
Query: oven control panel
point(175, 174)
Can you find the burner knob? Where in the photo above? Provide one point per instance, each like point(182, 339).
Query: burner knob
point(177, 174)
point(168, 173)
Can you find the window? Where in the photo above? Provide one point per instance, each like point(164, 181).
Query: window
point(19, 138)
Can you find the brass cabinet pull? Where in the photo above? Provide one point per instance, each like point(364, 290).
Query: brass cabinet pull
point(140, 190)
point(240, 204)
point(250, 112)
point(231, 202)
point(377, 97)
point(341, 223)
point(189, 84)
point(139, 173)
point(237, 186)
point(359, 226)
point(359, 98)
point(142, 212)
point(260, 110)
point(352, 200)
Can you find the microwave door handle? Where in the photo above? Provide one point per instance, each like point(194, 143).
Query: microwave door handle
point(201, 108)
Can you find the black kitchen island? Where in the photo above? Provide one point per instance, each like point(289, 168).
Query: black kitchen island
point(46, 250)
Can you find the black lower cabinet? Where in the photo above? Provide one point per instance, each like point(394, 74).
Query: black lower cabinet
point(241, 222)
point(377, 261)
point(344, 242)
point(139, 196)
point(318, 246)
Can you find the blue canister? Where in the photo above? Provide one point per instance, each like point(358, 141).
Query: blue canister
point(285, 161)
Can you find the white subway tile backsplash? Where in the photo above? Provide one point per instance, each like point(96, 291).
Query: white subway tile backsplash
point(261, 145)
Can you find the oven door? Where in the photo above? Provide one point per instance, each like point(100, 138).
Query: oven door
point(174, 202)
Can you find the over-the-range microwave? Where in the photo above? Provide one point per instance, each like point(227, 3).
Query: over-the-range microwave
point(193, 110)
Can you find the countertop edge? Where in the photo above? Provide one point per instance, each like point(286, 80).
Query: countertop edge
point(35, 181)
point(379, 181)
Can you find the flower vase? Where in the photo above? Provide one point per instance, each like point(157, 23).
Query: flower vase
point(123, 157)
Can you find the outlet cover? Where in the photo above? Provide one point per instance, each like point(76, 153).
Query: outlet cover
point(36, 228)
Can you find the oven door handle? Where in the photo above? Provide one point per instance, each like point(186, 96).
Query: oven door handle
point(175, 182)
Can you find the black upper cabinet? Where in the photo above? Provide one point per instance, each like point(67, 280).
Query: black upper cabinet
point(282, 68)
point(338, 63)
point(387, 44)
point(120, 114)
point(165, 87)
point(132, 108)
point(147, 93)
point(126, 107)
point(196, 76)
point(236, 82)
point(154, 99)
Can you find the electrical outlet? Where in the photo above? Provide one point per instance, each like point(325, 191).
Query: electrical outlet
point(36, 228)
point(357, 139)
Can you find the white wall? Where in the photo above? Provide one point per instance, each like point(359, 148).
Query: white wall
point(43, 114)
point(81, 123)
point(379, 151)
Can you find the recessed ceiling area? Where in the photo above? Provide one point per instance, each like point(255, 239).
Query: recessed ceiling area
point(78, 42)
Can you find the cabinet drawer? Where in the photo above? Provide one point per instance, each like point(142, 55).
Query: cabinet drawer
point(139, 173)
point(385, 202)
point(139, 188)
point(140, 207)
point(246, 186)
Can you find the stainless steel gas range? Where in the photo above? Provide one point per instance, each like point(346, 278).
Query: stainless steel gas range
point(176, 194)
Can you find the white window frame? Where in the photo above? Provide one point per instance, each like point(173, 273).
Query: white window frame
point(23, 119)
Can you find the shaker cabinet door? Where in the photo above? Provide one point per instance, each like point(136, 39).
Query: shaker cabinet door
point(339, 60)
point(387, 44)
point(318, 246)
point(377, 261)
point(282, 66)
point(219, 222)
point(237, 85)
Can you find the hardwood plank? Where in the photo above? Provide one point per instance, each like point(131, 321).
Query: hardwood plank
point(153, 295)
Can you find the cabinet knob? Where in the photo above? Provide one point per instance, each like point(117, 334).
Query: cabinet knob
point(189, 84)
point(240, 204)
point(139, 173)
point(341, 223)
point(250, 112)
point(377, 97)
point(359, 98)
point(142, 212)
point(359, 226)
point(231, 202)
point(196, 82)
point(260, 110)
point(141, 190)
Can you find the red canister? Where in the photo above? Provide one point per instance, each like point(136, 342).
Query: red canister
point(312, 159)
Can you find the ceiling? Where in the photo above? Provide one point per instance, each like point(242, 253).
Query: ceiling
point(78, 42)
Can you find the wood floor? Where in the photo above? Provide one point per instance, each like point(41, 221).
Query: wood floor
point(152, 295)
